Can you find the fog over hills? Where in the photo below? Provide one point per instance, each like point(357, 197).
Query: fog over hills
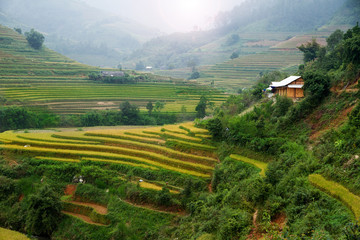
point(165, 33)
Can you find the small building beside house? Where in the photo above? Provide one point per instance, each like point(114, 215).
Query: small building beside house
point(291, 87)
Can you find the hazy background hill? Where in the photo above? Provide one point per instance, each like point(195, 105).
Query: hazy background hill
point(77, 30)
point(287, 18)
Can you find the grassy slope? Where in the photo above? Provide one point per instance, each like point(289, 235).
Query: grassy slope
point(46, 78)
point(11, 235)
point(338, 191)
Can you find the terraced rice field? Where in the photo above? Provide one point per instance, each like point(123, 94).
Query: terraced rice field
point(47, 79)
point(12, 235)
point(143, 148)
point(261, 165)
point(242, 72)
point(338, 191)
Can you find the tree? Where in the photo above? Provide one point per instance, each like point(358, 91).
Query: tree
point(149, 107)
point(234, 55)
point(310, 50)
point(35, 39)
point(129, 113)
point(159, 105)
point(194, 75)
point(316, 84)
point(201, 107)
point(18, 30)
point(44, 212)
point(334, 39)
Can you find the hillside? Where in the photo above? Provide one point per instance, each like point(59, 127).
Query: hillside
point(49, 80)
point(86, 34)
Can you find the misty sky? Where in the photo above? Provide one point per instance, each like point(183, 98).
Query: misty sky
point(168, 15)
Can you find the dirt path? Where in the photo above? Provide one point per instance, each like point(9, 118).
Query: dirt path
point(83, 217)
point(277, 224)
point(70, 189)
point(153, 208)
point(98, 208)
point(210, 187)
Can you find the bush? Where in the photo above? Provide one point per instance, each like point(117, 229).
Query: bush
point(35, 39)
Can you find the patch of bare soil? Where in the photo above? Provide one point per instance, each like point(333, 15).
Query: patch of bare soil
point(319, 130)
point(98, 208)
point(83, 217)
point(70, 189)
point(21, 197)
point(277, 225)
point(210, 188)
point(106, 103)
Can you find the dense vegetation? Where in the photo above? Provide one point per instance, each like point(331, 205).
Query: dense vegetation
point(281, 131)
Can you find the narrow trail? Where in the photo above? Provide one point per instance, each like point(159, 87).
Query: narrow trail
point(82, 217)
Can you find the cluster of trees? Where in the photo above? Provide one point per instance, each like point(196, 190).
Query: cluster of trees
point(21, 118)
point(129, 114)
point(125, 79)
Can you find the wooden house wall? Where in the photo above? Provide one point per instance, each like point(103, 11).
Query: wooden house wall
point(299, 93)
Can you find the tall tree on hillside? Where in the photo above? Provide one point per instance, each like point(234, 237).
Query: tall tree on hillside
point(149, 107)
point(310, 50)
point(129, 113)
point(201, 107)
point(35, 39)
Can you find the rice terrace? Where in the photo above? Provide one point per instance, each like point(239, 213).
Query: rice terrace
point(181, 120)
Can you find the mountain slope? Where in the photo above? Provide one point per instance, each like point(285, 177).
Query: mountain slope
point(47, 79)
point(76, 29)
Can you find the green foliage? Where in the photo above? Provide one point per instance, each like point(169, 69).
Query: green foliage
point(354, 117)
point(20, 118)
point(149, 107)
point(89, 193)
point(44, 212)
point(18, 30)
point(201, 107)
point(310, 50)
point(194, 75)
point(317, 85)
point(334, 39)
point(129, 113)
point(282, 105)
point(234, 55)
point(35, 39)
point(352, 231)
